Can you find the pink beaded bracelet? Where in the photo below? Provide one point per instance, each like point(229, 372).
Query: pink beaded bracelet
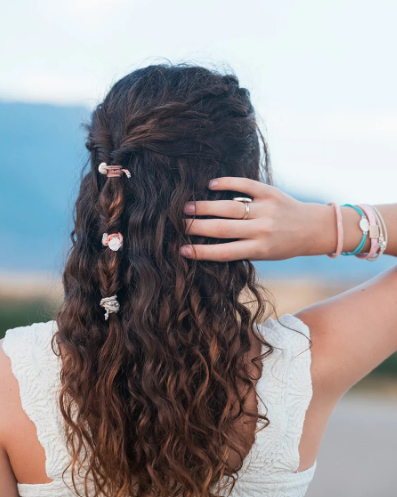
point(373, 232)
point(339, 225)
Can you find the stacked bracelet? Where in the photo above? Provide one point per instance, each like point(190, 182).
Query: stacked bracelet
point(364, 225)
point(339, 226)
point(371, 223)
point(373, 232)
point(383, 236)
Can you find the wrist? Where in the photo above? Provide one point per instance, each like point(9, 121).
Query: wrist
point(322, 232)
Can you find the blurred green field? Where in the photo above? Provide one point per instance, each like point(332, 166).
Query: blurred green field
point(23, 312)
point(15, 313)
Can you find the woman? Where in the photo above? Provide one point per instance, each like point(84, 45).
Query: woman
point(157, 376)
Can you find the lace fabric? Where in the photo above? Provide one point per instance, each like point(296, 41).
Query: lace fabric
point(269, 469)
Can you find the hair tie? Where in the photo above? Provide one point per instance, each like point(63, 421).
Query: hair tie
point(112, 171)
point(110, 304)
point(114, 241)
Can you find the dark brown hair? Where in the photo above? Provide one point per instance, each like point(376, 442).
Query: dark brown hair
point(150, 397)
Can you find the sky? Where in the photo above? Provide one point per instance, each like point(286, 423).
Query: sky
point(322, 74)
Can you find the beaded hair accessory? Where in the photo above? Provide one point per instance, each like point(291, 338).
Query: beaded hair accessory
point(114, 241)
point(110, 304)
point(113, 171)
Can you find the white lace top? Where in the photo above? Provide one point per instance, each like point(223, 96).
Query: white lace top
point(269, 469)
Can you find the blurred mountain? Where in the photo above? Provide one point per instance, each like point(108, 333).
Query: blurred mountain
point(42, 156)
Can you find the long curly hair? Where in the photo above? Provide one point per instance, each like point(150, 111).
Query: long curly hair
point(151, 396)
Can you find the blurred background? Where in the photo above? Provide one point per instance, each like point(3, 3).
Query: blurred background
point(323, 79)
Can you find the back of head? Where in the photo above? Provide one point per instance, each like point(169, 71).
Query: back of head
point(155, 383)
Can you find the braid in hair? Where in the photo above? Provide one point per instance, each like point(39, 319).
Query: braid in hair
point(110, 206)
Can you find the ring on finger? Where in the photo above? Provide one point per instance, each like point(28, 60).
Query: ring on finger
point(246, 201)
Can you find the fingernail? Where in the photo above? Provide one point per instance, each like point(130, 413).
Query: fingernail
point(185, 250)
point(213, 183)
point(189, 208)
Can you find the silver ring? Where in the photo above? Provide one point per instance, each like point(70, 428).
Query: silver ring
point(246, 202)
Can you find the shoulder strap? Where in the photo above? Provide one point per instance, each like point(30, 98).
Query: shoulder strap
point(36, 368)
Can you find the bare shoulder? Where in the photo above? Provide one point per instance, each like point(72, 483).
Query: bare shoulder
point(7, 380)
point(9, 412)
point(9, 395)
point(5, 368)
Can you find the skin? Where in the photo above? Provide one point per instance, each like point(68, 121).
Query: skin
point(351, 333)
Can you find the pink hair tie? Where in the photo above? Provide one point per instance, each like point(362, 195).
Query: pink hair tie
point(112, 171)
point(373, 232)
point(114, 241)
point(339, 225)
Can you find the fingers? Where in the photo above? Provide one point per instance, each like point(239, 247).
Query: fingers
point(220, 208)
point(223, 252)
point(221, 228)
point(245, 230)
point(253, 188)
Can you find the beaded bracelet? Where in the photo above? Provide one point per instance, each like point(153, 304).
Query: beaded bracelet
point(364, 225)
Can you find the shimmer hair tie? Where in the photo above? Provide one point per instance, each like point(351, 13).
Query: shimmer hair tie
point(110, 304)
point(112, 171)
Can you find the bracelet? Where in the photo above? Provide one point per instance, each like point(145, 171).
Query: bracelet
point(364, 225)
point(373, 232)
point(383, 236)
point(339, 226)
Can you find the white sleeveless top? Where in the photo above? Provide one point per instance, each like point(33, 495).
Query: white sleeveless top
point(269, 469)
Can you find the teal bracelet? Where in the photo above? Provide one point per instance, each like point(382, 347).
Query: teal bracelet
point(364, 225)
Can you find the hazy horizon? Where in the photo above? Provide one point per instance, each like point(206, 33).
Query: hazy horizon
point(321, 74)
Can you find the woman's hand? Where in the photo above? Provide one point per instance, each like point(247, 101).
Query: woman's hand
point(278, 226)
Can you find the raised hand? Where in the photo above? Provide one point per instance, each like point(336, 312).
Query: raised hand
point(278, 226)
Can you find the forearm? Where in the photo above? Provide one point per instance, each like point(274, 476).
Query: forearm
point(324, 231)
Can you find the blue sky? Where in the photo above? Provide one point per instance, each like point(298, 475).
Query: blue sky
point(322, 74)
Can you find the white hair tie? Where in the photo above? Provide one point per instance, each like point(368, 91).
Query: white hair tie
point(110, 304)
